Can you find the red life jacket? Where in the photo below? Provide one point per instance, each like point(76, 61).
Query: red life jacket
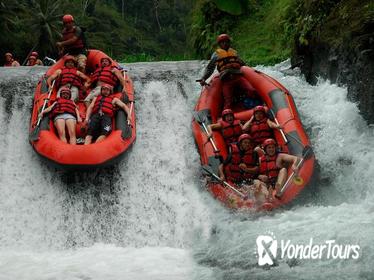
point(227, 59)
point(231, 132)
point(268, 167)
point(9, 64)
point(260, 131)
point(77, 45)
point(104, 74)
point(64, 106)
point(104, 105)
point(69, 76)
point(232, 170)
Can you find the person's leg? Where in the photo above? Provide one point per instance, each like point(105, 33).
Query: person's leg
point(71, 126)
point(100, 138)
point(81, 62)
point(74, 93)
point(93, 93)
point(60, 126)
point(282, 177)
point(227, 91)
point(246, 86)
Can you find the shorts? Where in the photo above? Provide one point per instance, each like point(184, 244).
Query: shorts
point(74, 92)
point(99, 125)
point(65, 116)
point(93, 93)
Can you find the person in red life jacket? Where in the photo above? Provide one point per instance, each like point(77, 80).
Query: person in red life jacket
point(273, 165)
point(228, 65)
point(100, 112)
point(241, 163)
point(9, 61)
point(105, 74)
point(70, 77)
point(260, 126)
point(64, 114)
point(73, 42)
point(33, 60)
point(230, 127)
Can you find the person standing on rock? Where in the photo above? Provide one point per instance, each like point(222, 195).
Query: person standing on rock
point(228, 65)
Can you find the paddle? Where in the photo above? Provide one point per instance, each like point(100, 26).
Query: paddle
point(127, 133)
point(202, 82)
point(201, 118)
point(208, 169)
point(281, 130)
point(306, 154)
point(34, 135)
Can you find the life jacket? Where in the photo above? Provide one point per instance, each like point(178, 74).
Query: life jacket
point(104, 105)
point(260, 131)
point(77, 45)
point(9, 64)
point(268, 167)
point(64, 106)
point(104, 74)
point(69, 76)
point(227, 59)
point(231, 132)
point(232, 170)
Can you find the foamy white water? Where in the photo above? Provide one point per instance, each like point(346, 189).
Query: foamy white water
point(150, 217)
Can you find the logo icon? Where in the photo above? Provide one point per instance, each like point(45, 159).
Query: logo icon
point(266, 249)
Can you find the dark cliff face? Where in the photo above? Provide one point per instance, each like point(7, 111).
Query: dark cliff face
point(340, 47)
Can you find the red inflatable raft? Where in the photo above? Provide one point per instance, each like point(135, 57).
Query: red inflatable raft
point(292, 139)
point(44, 139)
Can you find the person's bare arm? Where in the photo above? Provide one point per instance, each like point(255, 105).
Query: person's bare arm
point(289, 159)
point(79, 119)
point(124, 107)
point(53, 77)
point(85, 78)
point(121, 79)
point(221, 173)
point(213, 126)
point(47, 110)
point(273, 125)
point(248, 124)
point(89, 110)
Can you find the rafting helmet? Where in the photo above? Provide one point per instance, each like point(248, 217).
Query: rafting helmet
point(223, 37)
point(259, 109)
point(8, 54)
point(243, 137)
point(67, 19)
point(32, 57)
point(70, 58)
point(65, 90)
point(227, 112)
point(269, 141)
point(108, 86)
point(34, 54)
point(106, 58)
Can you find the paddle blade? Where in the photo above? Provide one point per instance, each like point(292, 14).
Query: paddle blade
point(307, 152)
point(126, 134)
point(34, 135)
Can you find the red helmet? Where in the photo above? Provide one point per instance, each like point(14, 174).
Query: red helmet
point(244, 136)
point(65, 90)
point(107, 58)
point(8, 54)
point(268, 142)
point(259, 109)
point(223, 37)
point(227, 112)
point(69, 58)
point(67, 18)
point(34, 54)
point(32, 57)
point(107, 86)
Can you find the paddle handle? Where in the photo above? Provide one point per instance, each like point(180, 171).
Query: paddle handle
point(210, 138)
point(131, 107)
point(280, 129)
point(226, 184)
point(45, 102)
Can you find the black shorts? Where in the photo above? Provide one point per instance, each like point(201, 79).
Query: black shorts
point(99, 125)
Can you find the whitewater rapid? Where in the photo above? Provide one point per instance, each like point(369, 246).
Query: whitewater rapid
point(149, 217)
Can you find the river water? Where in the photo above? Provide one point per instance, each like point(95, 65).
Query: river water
point(149, 217)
